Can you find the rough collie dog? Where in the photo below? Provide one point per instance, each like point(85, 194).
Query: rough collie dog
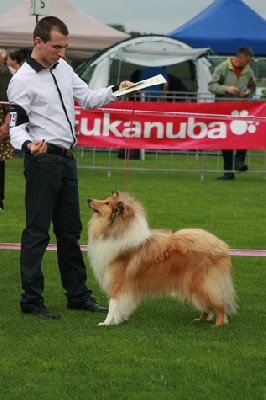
point(130, 262)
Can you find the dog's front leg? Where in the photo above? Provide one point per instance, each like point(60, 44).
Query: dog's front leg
point(120, 309)
point(114, 316)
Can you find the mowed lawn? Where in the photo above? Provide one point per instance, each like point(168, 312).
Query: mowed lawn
point(160, 353)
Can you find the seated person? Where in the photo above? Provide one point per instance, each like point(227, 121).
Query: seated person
point(134, 77)
point(175, 85)
point(153, 93)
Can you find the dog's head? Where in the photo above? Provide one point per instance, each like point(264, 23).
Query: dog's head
point(112, 208)
point(114, 213)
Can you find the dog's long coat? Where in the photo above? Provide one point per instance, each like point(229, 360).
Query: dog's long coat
point(131, 261)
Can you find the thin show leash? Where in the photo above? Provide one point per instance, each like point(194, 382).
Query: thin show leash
point(127, 151)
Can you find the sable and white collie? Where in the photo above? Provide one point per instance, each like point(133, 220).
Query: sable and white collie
point(130, 262)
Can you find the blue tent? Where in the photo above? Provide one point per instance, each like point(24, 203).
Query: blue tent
point(225, 26)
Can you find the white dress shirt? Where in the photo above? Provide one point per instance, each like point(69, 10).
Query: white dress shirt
point(37, 112)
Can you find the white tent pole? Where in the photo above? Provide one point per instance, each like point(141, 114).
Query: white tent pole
point(119, 72)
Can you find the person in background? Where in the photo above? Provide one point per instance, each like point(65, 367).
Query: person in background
point(3, 57)
point(234, 78)
point(14, 61)
point(134, 77)
point(44, 130)
point(154, 93)
point(6, 150)
point(175, 85)
point(24, 54)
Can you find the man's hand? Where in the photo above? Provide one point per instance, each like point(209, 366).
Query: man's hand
point(37, 148)
point(244, 93)
point(125, 84)
point(232, 89)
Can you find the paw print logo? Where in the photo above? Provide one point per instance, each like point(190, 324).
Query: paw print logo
point(240, 127)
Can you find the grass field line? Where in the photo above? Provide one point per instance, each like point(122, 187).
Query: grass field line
point(233, 252)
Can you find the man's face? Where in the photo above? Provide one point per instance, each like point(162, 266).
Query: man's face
point(243, 60)
point(2, 59)
point(54, 49)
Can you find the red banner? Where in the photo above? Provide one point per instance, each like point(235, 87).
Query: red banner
point(186, 126)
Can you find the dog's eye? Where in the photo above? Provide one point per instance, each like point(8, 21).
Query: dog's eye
point(107, 203)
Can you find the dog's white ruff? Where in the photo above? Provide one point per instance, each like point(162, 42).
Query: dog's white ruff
point(103, 250)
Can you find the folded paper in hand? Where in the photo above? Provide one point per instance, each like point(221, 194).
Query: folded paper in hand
point(155, 80)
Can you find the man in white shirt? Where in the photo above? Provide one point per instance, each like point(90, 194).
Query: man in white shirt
point(42, 95)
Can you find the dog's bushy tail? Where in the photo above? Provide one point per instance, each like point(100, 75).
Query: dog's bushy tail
point(219, 287)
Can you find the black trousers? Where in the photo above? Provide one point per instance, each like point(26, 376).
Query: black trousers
point(231, 161)
point(52, 196)
point(2, 180)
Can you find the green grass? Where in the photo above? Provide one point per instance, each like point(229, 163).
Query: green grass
point(159, 353)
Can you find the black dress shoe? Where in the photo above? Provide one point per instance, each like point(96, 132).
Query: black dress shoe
point(226, 177)
point(87, 305)
point(242, 167)
point(38, 310)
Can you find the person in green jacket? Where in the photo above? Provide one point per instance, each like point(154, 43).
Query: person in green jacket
point(234, 79)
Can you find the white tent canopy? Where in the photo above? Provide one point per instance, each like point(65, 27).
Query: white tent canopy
point(153, 50)
point(85, 33)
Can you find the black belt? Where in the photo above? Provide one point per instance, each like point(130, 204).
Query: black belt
point(52, 149)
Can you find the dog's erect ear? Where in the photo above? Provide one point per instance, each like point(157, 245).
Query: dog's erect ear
point(115, 193)
point(118, 210)
point(119, 207)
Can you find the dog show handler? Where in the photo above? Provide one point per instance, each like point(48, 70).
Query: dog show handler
point(42, 95)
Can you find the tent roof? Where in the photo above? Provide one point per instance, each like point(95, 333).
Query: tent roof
point(225, 26)
point(85, 33)
point(150, 50)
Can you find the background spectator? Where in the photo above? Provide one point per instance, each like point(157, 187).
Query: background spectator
point(234, 78)
point(14, 60)
point(6, 150)
point(175, 85)
point(154, 92)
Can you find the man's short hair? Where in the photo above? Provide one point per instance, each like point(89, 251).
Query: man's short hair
point(44, 27)
point(245, 51)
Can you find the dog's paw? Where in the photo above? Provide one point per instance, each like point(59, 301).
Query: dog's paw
point(106, 323)
point(113, 322)
point(198, 320)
